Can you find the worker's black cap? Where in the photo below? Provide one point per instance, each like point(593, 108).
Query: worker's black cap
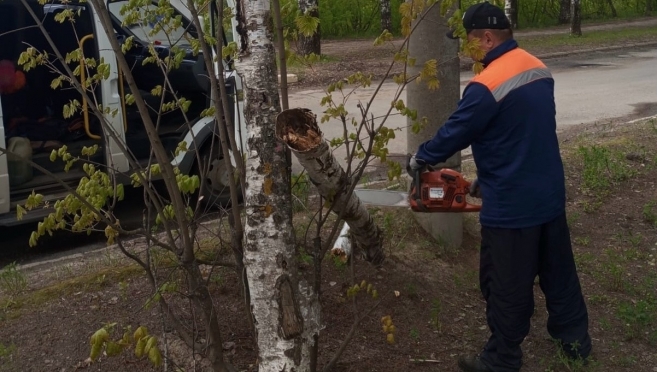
point(483, 16)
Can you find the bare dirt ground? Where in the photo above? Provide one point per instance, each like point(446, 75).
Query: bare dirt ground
point(344, 57)
point(439, 313)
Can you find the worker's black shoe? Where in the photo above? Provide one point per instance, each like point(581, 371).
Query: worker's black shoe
point(472, 363)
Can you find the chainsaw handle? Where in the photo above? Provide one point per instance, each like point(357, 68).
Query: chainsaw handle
point(417, 179)
point(417, 182)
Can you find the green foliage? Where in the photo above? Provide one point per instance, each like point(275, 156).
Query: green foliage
point(306, 24)
point(165, 288)
point(12, 280)
point(94, 190)
point(344, 18)
point(144, 344)
point(542, 13)
point(300, 191)
point(381, 134)
point(364, 286)
point(389, 328)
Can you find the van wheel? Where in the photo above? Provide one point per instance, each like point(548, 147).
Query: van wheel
point(214, 190)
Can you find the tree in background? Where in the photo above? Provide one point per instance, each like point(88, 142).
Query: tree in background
point(386, 16)
point(309, 35)
point(564, 12)
point(575, 18)
point(614, 13)
point(511, 11)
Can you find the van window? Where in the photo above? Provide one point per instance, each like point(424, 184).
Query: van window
point(146, 30)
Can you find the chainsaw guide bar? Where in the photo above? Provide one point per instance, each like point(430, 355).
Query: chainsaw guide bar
point(383, 198)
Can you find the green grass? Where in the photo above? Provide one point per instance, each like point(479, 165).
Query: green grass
point(639, 317)
point(650, 213)
point(592, 38)
point(12, 280)
point(582, 240)
point(603, 167)
point(89, 282)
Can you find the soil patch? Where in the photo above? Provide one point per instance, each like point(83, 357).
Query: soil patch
point(431, 295)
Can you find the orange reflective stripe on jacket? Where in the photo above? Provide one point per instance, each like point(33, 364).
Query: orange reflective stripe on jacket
point(514, 69)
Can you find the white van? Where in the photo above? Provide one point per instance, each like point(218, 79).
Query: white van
point(32, 117)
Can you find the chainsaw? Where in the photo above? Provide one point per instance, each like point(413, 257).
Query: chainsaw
point(432, 191)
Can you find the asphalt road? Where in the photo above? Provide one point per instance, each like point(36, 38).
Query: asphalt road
point(589, 88)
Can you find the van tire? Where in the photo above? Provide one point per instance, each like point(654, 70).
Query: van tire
point(214, 188)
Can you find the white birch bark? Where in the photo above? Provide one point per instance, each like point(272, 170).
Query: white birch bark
point(285, 309)
point(342, 246)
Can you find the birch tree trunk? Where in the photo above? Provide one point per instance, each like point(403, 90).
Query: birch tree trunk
point(310, 44)
point(511, 11)
point(386, 15)
point(299, 130)
point(564, 12)
point(575, 18)
point(285, 309)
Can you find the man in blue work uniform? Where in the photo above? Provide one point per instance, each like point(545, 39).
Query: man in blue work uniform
point(507, 115)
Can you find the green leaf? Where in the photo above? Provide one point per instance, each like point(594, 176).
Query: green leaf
point(307, 24)
point(113, 349)
point(120, 193)
point(20, 212)
point(155, 356)
point(157, 91)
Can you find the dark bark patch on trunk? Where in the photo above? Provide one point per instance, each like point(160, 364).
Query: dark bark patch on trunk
point(291, 322)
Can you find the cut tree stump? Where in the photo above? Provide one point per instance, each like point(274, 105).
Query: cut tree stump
point(298, 129)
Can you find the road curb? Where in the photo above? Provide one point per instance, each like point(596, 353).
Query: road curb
point(466, 66)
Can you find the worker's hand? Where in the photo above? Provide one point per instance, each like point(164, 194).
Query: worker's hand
point(414, 164)
point(475, 191)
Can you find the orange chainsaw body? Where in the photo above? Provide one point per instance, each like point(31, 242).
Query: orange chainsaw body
point(440, 191)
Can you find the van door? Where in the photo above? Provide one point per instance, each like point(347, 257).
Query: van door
point(112, 99)
point(4, 173)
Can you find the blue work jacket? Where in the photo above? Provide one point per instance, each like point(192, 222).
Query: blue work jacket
point(507, 114)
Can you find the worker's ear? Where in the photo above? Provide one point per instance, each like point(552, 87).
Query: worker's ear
point(488, 39)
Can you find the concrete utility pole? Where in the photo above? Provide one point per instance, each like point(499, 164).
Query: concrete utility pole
point(429, 42)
